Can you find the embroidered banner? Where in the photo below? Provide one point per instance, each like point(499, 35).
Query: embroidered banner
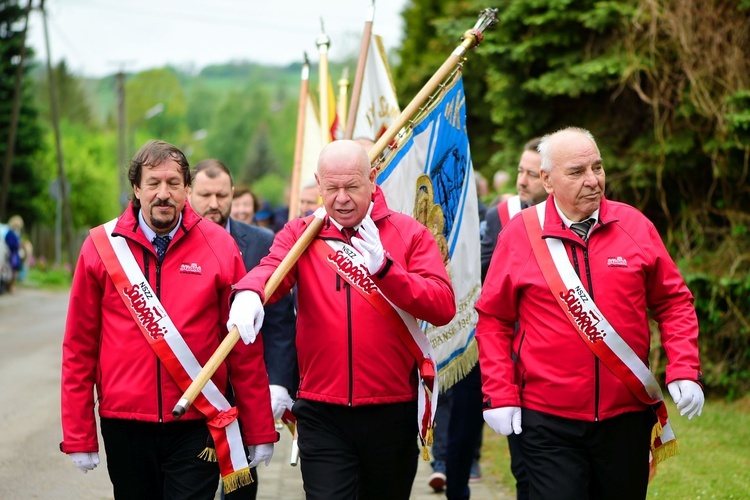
point(430, 176)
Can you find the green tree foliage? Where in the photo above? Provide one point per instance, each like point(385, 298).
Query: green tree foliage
point(25, 183)
point(232, 128)
point(72, 100)
point(156, 107)
point(201, 103)
point(91, 171)
point(261, 161)
point(252, 130)
point(664, 85)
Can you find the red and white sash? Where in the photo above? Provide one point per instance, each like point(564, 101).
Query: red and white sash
point(507, 209)
point(162, 335)
point(596, 332)
point(348, 263)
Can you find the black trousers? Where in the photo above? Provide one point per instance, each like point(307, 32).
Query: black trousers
point(518, 466)
point(359, 452)
point(158, 461)
point(578, 460)
point(464, 430)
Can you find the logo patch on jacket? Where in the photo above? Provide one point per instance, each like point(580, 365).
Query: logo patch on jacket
point(191, 268)
point(617, 262)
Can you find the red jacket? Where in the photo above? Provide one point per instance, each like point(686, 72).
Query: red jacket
point(347, 354)
point(103, 346)
point(626, 269)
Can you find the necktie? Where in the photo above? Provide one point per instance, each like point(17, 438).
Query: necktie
point(348, 232)
point(582, 228)
point(160, 244)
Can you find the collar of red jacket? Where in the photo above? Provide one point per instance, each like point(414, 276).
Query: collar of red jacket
point(127, 224)
point(554, 225)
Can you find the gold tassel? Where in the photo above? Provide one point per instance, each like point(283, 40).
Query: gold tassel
point(428, 440)
point(665, 451)
point(425, 453)
point(237, 479)
point(208, 454)
point(656, 431)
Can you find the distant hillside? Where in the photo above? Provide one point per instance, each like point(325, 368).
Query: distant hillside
point(216, 78)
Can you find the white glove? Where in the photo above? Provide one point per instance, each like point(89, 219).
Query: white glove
point(369, 245)
point(505, 420)
point(280, 400)
point(247, 315)
point(259, 453)
point(688, 396)
point(85, 461)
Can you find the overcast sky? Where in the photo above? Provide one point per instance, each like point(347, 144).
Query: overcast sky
point(99, 37)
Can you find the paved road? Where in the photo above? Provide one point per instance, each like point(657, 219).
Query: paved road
point(31, 465)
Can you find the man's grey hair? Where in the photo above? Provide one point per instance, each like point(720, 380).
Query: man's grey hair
point(546, 143)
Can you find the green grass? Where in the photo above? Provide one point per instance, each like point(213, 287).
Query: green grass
point(714, 459)
point(57, 279)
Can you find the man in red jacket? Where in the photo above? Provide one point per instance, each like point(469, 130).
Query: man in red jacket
point(148, 307)
point(361, 285)
point(579, 274)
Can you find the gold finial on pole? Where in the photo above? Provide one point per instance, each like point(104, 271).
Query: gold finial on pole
point(470, 39)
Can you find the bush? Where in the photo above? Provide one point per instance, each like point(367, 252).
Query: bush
point(721, 306)
point(49, 278)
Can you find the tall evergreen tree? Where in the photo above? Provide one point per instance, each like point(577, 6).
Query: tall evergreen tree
point(25, 182)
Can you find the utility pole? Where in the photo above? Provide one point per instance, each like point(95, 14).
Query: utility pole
point(62, 181)
point(15, 112)
point(121, 138)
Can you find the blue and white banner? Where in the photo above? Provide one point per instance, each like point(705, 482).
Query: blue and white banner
point(430, 176)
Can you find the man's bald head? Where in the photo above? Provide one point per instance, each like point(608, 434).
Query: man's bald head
point(345, 181)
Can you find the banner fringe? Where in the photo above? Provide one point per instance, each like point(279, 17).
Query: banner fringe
point(237, 479)
point(459, 367)
point(662, 452)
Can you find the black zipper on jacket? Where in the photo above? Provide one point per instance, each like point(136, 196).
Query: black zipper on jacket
point(350, 337)
point(351, 340)
point(158, 361)
point(587, 270)
point(597, 363)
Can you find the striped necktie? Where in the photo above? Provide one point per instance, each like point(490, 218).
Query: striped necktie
point(582, 228)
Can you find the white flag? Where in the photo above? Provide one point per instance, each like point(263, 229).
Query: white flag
point(378, 106)
point(311, 144)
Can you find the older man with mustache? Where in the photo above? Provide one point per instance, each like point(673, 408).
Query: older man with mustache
point(148, 307)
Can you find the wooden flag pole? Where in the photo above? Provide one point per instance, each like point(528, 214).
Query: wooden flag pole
point(472, 38)
point(360, 74)
point(299, 142)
